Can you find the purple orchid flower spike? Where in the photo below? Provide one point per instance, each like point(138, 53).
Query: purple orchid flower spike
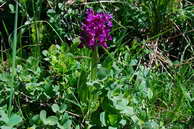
point(96, 29)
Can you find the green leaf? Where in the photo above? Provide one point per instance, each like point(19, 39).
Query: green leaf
point(110, 127)
point(14, 120)
point(103, 119)
point(151, 125)
point(76, 41)
point(43, 116)
point(51, 12)
point(51, 120)
point(45, 52)
point(63, 108)
point(23, 1)
point(123, 122)
point(113, 119)
point(61, 6)
point(11, 7)
point(102, 72)
point(33, 127)
point(60, 126)
point(120, 103)
point(77, 127)
point(7, 127)
point(149, 93)
point(67, 124)
point(4, 116)
point(35, 117)
point(55, 108)
point(133, 62)
point(128, 111)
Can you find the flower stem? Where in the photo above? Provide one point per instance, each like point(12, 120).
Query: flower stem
point(95, 59)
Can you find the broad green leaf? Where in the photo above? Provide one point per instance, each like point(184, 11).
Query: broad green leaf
point(43, 116)
point(14, 120)
point(45, 52)
point(11, 7)
point(55, 108)
point(61, 6)
point(133, 62)
point(77, 127)
point(113, 119)
point(51, 120)
point(50, 12)
point(60, 126)
point(151, 125)
point(4, 116)
point(102, 72)
point(67, 124)
point(123, 122)
point(63, 108)
point(35, 118)
point(128, 111)
point(120, 103)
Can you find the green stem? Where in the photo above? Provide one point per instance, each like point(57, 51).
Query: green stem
point(95, 59)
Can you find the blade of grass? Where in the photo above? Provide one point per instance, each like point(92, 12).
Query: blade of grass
point(14, 43)
point(1, 49)
point(42, 21)
point(5, 28)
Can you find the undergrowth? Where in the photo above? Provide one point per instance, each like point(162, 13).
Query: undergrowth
point(142, 79)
